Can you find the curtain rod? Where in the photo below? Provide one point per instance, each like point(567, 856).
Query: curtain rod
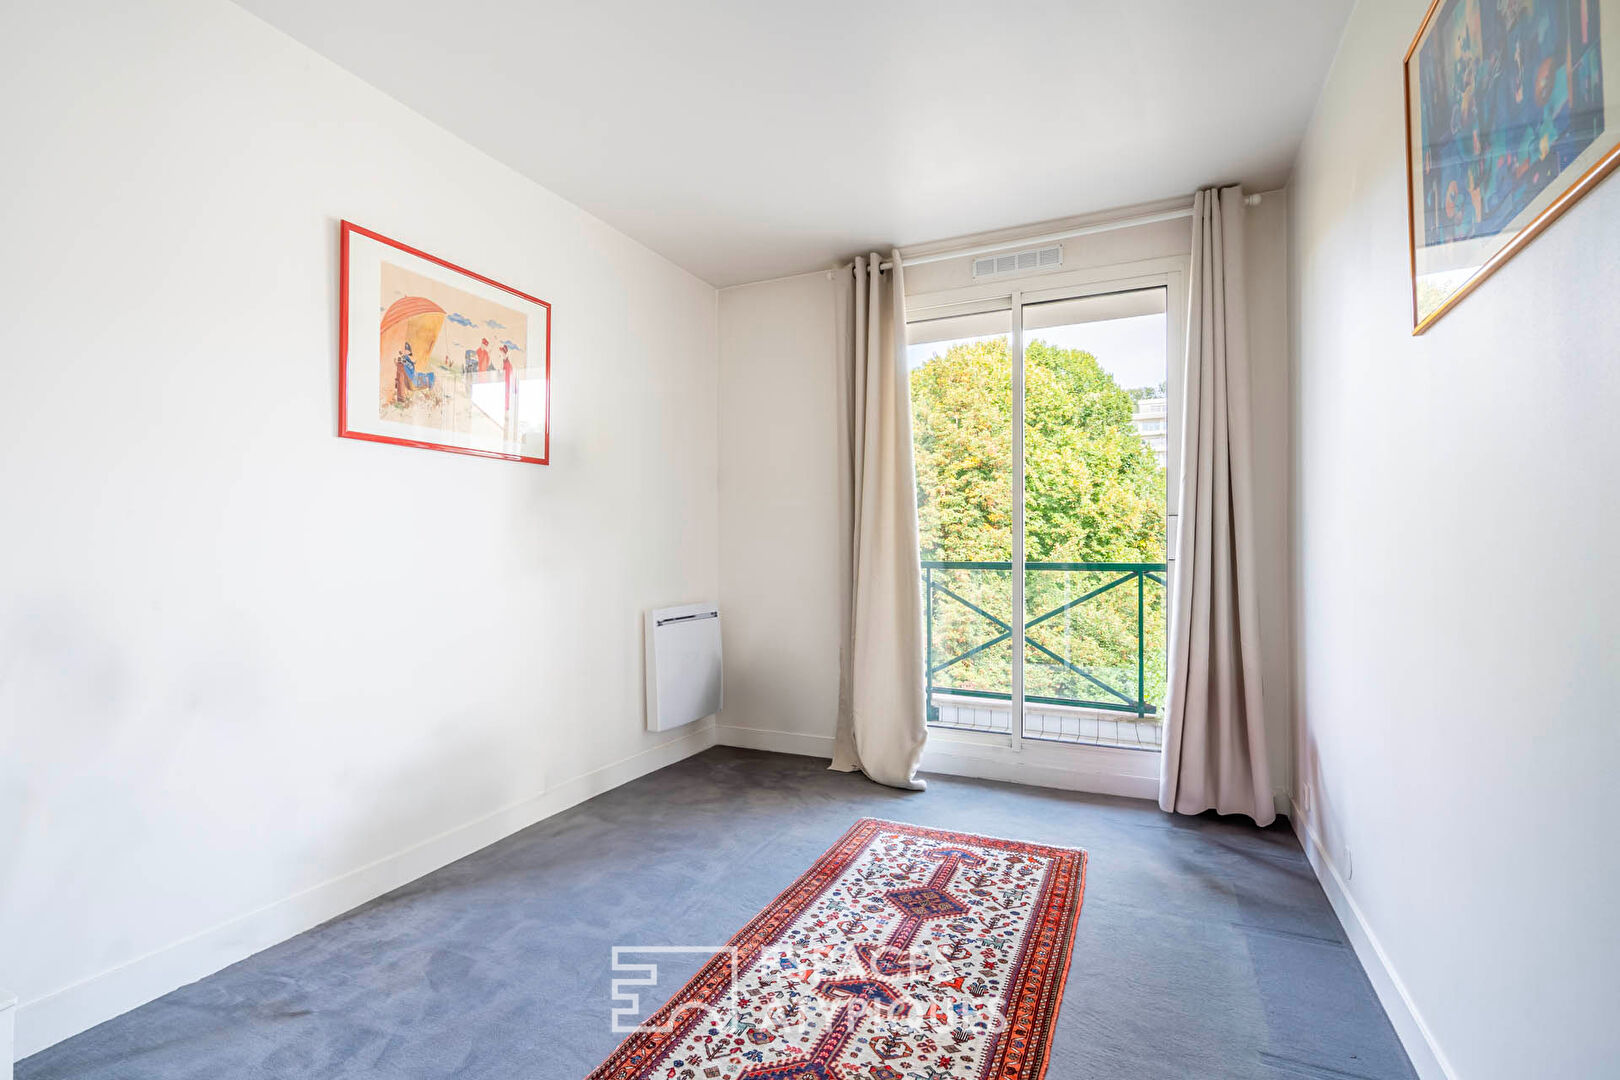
point(1066, 234)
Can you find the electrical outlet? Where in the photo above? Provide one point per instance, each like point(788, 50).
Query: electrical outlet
point(1349, 864)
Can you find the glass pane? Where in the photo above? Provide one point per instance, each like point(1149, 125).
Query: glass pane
point(1096, 442)
point(961, 424)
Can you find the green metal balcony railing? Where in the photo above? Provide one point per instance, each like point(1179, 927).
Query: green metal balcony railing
point(944, 589)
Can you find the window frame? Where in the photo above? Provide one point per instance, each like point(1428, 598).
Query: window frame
point(1103, 769)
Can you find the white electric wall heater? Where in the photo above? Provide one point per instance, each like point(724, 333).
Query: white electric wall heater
point(683, 665)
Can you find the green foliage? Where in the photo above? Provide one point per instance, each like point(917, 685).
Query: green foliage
point(1094, 492)
point(961, 426)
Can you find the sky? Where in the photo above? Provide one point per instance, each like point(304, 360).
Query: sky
point(1133, 350)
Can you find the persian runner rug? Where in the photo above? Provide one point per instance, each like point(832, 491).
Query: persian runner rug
point(904, 953)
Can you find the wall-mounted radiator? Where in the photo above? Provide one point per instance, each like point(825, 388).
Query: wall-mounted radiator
point(683, 665)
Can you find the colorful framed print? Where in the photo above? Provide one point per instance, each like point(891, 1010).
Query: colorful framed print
point(438, 357)
point(1512, 114)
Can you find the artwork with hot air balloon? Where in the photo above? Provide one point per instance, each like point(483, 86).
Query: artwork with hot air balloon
point(438, 357)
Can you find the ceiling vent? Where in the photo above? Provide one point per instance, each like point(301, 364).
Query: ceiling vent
point(1019, 262)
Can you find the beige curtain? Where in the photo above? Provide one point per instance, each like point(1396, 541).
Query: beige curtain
point(1215, 738)
point(881, 728)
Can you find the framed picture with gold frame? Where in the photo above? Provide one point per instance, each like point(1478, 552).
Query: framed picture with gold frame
point(1512, 114)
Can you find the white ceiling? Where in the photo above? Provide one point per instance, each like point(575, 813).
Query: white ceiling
point(749, 139)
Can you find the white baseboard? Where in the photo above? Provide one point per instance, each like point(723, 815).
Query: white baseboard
point(781, 742)
point(1099, 770)
point(8, 1032)
point(84, 1004)
point(1427, 1058)
point(1094, 769)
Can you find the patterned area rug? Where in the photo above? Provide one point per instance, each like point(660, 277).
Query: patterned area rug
point(904, 953)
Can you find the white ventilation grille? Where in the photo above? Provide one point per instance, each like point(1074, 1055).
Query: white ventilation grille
point(1019, 262)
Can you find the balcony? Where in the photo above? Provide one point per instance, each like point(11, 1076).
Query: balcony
point(1094, 650)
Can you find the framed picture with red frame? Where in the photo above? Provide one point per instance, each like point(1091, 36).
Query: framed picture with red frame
point(435, 356)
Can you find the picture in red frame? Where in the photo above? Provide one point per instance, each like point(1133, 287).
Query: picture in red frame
point(438, 357)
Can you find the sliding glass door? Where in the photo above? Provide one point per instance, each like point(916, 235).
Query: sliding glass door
point(1043, 444)
point(962, 429)
point(1096, 446)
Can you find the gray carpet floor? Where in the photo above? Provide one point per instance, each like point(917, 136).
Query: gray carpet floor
point(1205, 946)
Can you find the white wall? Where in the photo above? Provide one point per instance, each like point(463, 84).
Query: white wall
point(250, 673)
point(778, 487)
point(8, 1032)
point(1458, 603)
point(779, 531)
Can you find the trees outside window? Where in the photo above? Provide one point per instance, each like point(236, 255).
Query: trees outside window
point(1094, 492)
